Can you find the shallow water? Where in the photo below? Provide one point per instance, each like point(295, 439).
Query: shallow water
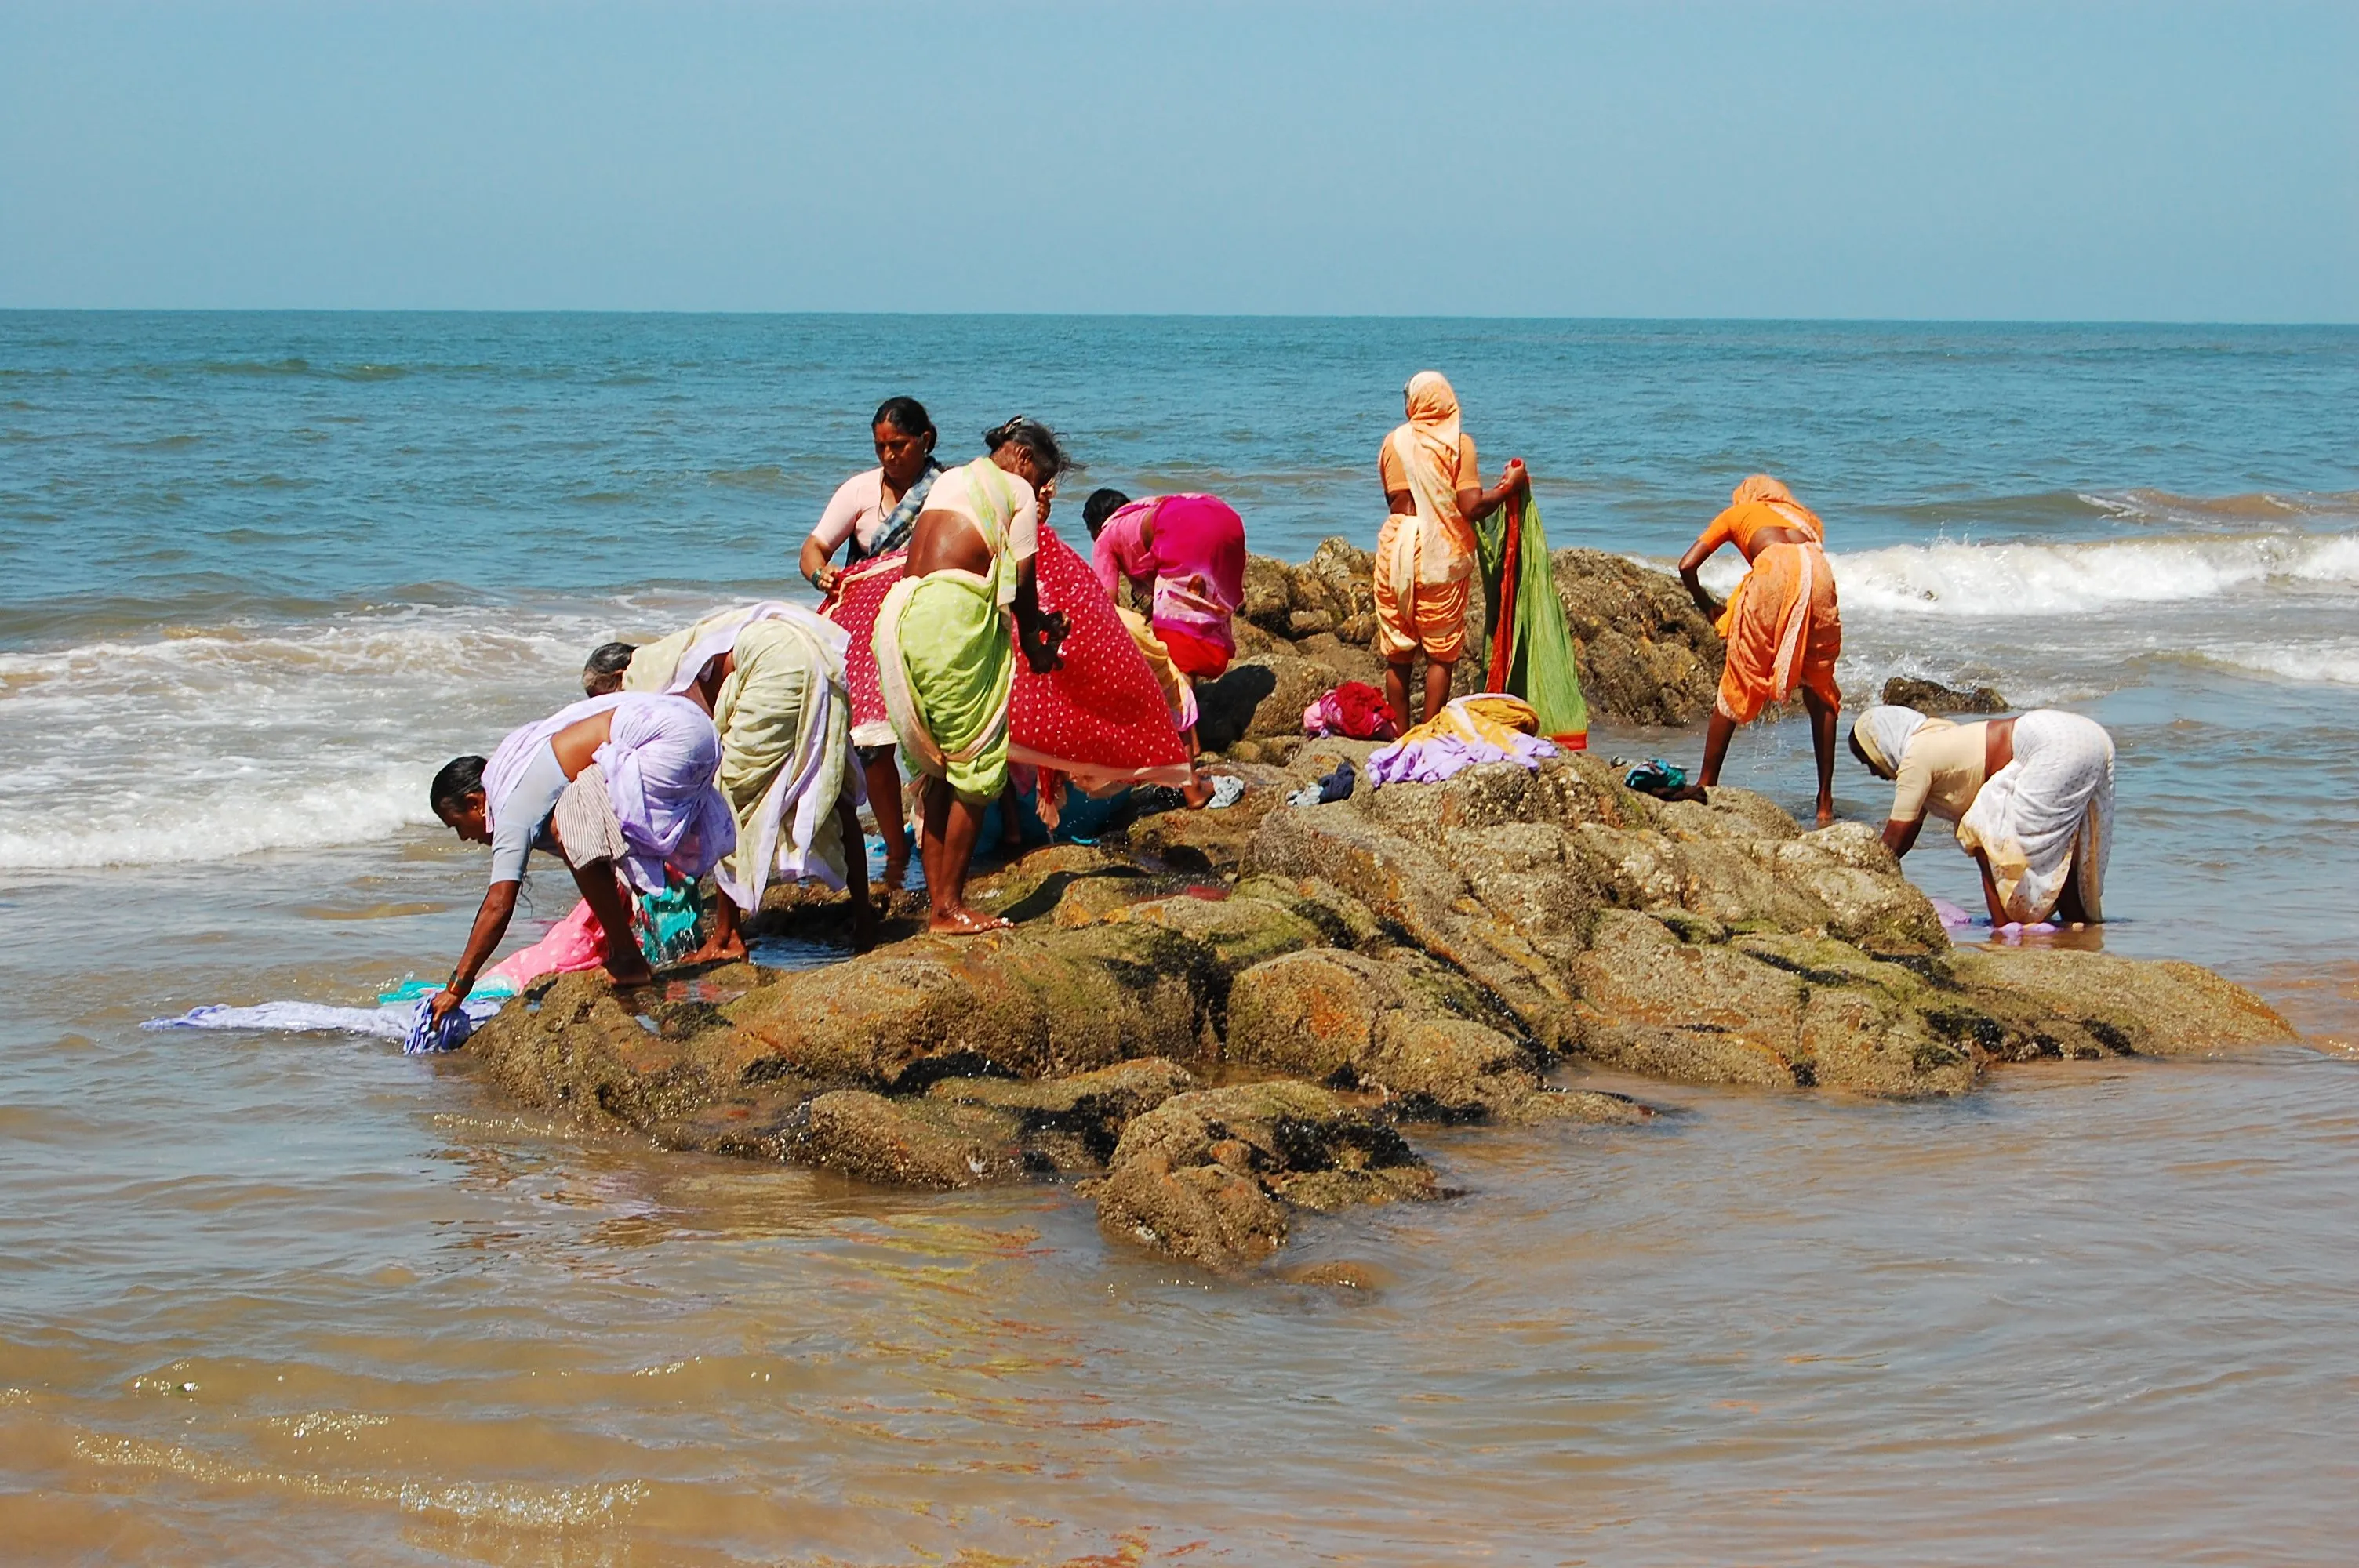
point(295, 1298)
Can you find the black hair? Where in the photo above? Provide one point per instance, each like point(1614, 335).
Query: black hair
point(602, 670)
point(1861, 752)
point(460, 777)
point(1101, 505)
point(906, 415)
point(1033, 437)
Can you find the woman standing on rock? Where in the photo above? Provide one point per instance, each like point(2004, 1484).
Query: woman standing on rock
point(1427, 552)
point(872, 515)
point(1782, 625)
point(944, 653)
point(2032, 797)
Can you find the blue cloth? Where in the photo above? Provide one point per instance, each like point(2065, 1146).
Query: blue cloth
point(427, 1035)
point(394, 1022)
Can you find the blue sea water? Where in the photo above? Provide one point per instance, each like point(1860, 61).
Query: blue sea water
point(274, 1299)
point(259, 572)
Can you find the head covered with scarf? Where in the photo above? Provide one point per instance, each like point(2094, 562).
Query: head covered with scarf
point(1881, 736)
point(1764, 491)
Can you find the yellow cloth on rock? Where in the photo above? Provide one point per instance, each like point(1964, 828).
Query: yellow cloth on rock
point(1178, 690)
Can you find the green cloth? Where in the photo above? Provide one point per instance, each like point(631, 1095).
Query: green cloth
point(1540, 667)
point(962, 664)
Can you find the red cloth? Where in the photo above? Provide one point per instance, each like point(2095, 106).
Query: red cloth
point(1099, 718)
point(1356, 709)
point(859, 595)
point(1193, 655)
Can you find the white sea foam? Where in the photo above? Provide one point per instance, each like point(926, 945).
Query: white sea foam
point(207, 744)
point(1959, 578)
point(2016, 579)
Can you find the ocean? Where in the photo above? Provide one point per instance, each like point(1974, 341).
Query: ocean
point(278, 1298)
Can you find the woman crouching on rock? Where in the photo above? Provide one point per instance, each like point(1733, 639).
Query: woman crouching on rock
point(772, 676)
point(2032, 797)
point(621, 785)
point(1783, 630)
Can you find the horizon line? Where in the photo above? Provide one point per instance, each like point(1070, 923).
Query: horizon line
point(1158, 315)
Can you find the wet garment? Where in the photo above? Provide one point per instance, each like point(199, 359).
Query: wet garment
point(1531, 652)
point(391, 1023)
point(945, 641)
point(1486, 727)
point(1783, 632)
point(1426, 557)
point(1414, 616)
point(784, 715)
point(1100, 718)
point(2047, 817)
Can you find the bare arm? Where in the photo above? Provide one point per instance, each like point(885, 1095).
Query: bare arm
point(490, 924)
point(1690, 570)
point(1039, 634)
point(1474, 503)
point(814, 566)
point(1901, 837)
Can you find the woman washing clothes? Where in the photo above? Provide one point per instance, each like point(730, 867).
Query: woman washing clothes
point(945, 654)
point(621, 785)
point(1427, 552)
point(1184, 559)
point(2032, 797)
point(772, 676)
point(1782, 625)
point(872, 515)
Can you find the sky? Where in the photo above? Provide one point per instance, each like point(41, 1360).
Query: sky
point(2065, 160)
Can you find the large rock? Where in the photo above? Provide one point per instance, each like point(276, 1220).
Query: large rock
point(1722, 943)
point(1211, 1177)
point(1646, 656)
point(1415, 953)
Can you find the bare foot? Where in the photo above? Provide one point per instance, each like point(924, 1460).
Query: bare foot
point(896, 873)
point(1826, 816)
point(633, 973)
point(1198, 792)
point(718, 952)
point(962, 920)
point(865, 928)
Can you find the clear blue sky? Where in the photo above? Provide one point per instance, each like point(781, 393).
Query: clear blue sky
point(2154, 160)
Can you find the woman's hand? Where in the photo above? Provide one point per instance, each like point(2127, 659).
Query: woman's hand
point(827, 577)
point(441, 1004)
point(1518, 478)
point(1044, 651)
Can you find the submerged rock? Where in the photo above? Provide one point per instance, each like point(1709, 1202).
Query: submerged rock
point(1931, 697)
point(1211, 1176)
